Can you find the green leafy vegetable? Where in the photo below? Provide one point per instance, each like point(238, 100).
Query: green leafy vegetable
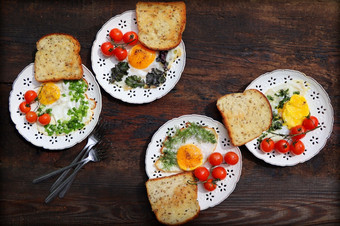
point(134, 81)
point(118, 71)
point(155, 78)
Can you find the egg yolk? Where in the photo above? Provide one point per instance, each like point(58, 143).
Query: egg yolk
point(49, 93)
point(295, 111)
point(140, 57)
point(189, 157)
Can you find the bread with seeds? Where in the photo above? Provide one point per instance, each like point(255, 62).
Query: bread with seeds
point(246, 115)
point(57, 58)
point(160, 24)
point(173, 199)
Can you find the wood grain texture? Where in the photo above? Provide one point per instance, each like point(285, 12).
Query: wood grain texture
point(228, 45)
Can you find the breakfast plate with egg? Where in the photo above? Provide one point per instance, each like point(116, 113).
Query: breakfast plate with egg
point(103, 65)
point(202, 136)
point(304, 97)
point(61, 101)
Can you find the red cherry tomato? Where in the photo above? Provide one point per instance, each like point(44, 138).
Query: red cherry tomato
point(201, 173)
point(116, 35)
point(30, 96)
point(120, 53)
point(267, 145)
point(231, 158)
point(210, 185)
point(31, 117)
point(297, 147)
point(215, 158)
point(219, 173)
point(298, 132)
point(107, 48)
point(24, 107)
point(310, 123)
point(130, 38)
point(282, 146)
point(44, 119)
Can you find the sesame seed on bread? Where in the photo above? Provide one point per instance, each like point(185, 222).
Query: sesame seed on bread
point(246, 115)
point(173, 199)
point(57, 58)
point(160, 24)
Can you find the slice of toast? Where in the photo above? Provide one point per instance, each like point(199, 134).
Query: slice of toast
point(160, 24)
point(246, 115)
point(173, 199)
point(57, 58)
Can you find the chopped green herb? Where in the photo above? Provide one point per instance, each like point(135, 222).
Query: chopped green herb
point(77, 92)
point(181, 135)
point(270, 98)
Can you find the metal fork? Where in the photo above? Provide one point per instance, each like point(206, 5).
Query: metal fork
point(90, 156)
point(93, 139)
point(96, 154)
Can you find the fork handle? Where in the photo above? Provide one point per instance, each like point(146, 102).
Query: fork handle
point(63, 175)
point(46, 176)
point(55, 192)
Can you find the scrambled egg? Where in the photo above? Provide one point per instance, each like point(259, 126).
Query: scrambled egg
point(294, 111)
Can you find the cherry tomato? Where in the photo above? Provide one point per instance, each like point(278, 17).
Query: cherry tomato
point(107, 48)
point(282, 146)
point(231, 158)
point(116, 35)
point(44, 119)
point(24, 107)
point(219, 173)
point(298, 130)
point(120, 53)
point(310, 123)
point(210, 185)
point(31, 117)
point(30, 96)
point(215, 158)
point(267, 145)
point(297, 147)
point(130, 38)
point(201, 173)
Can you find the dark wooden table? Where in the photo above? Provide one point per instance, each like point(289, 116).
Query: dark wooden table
point(228, 45)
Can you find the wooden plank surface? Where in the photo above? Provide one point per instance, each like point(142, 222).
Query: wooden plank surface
point(228, 45)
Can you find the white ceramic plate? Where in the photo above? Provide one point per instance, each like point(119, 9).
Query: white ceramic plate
point(319, 105)
point(26, 81)
point(102, 65)
point(225, 187)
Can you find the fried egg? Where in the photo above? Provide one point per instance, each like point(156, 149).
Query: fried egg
point(294, 111)
point(189, 153)
point(59, 100)
point(142, 60)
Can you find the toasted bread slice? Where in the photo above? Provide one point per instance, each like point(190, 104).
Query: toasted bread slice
point(246, 115)
point(160, 24)
point(57, 58)
point(173, 199)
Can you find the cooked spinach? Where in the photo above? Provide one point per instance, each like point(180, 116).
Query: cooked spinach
point(118, 71)
point(155, 77)
point(134, 81)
